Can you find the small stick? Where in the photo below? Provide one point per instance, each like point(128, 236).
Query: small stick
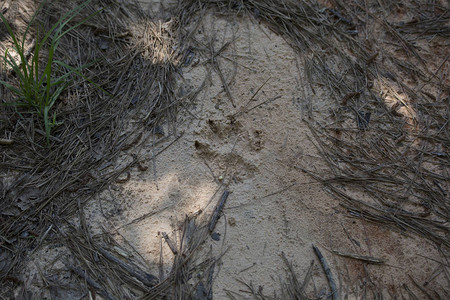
point(209, 282)
point(253, 96)
point(216, 66)
point(327, 271)
point(161, 260)
point(262, 103)
point(367, 259)
point(146, 278)
point(6, 141)
point(279, 191)
point(217, 211)
point(217, 53)
point(170, 243)
point(257, 91)
point(224, 83)
point(247, 268)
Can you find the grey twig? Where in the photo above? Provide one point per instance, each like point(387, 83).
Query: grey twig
point(217, 211)
point(326, 269)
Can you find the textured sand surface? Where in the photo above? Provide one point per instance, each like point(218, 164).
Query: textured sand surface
point(256, 150)
point(254, 141)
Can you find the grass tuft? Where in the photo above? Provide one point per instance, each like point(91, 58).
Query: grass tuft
point(38, 87)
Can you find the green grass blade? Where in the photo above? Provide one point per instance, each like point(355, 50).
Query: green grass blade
point(12, 62)
point(35, 59)
point(55, 95)
point(17, 46)
point(62, 22)
point(39, 89)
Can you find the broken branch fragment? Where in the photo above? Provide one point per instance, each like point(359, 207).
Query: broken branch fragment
point(215, 216)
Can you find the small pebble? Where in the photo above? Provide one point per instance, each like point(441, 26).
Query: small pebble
point(215, 236)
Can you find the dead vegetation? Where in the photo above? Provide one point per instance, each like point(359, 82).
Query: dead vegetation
point(387, 133)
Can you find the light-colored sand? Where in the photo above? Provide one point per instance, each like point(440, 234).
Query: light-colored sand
point(273, 206)
point(255, 150)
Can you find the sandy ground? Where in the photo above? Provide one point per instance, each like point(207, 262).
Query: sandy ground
point(255, 149)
